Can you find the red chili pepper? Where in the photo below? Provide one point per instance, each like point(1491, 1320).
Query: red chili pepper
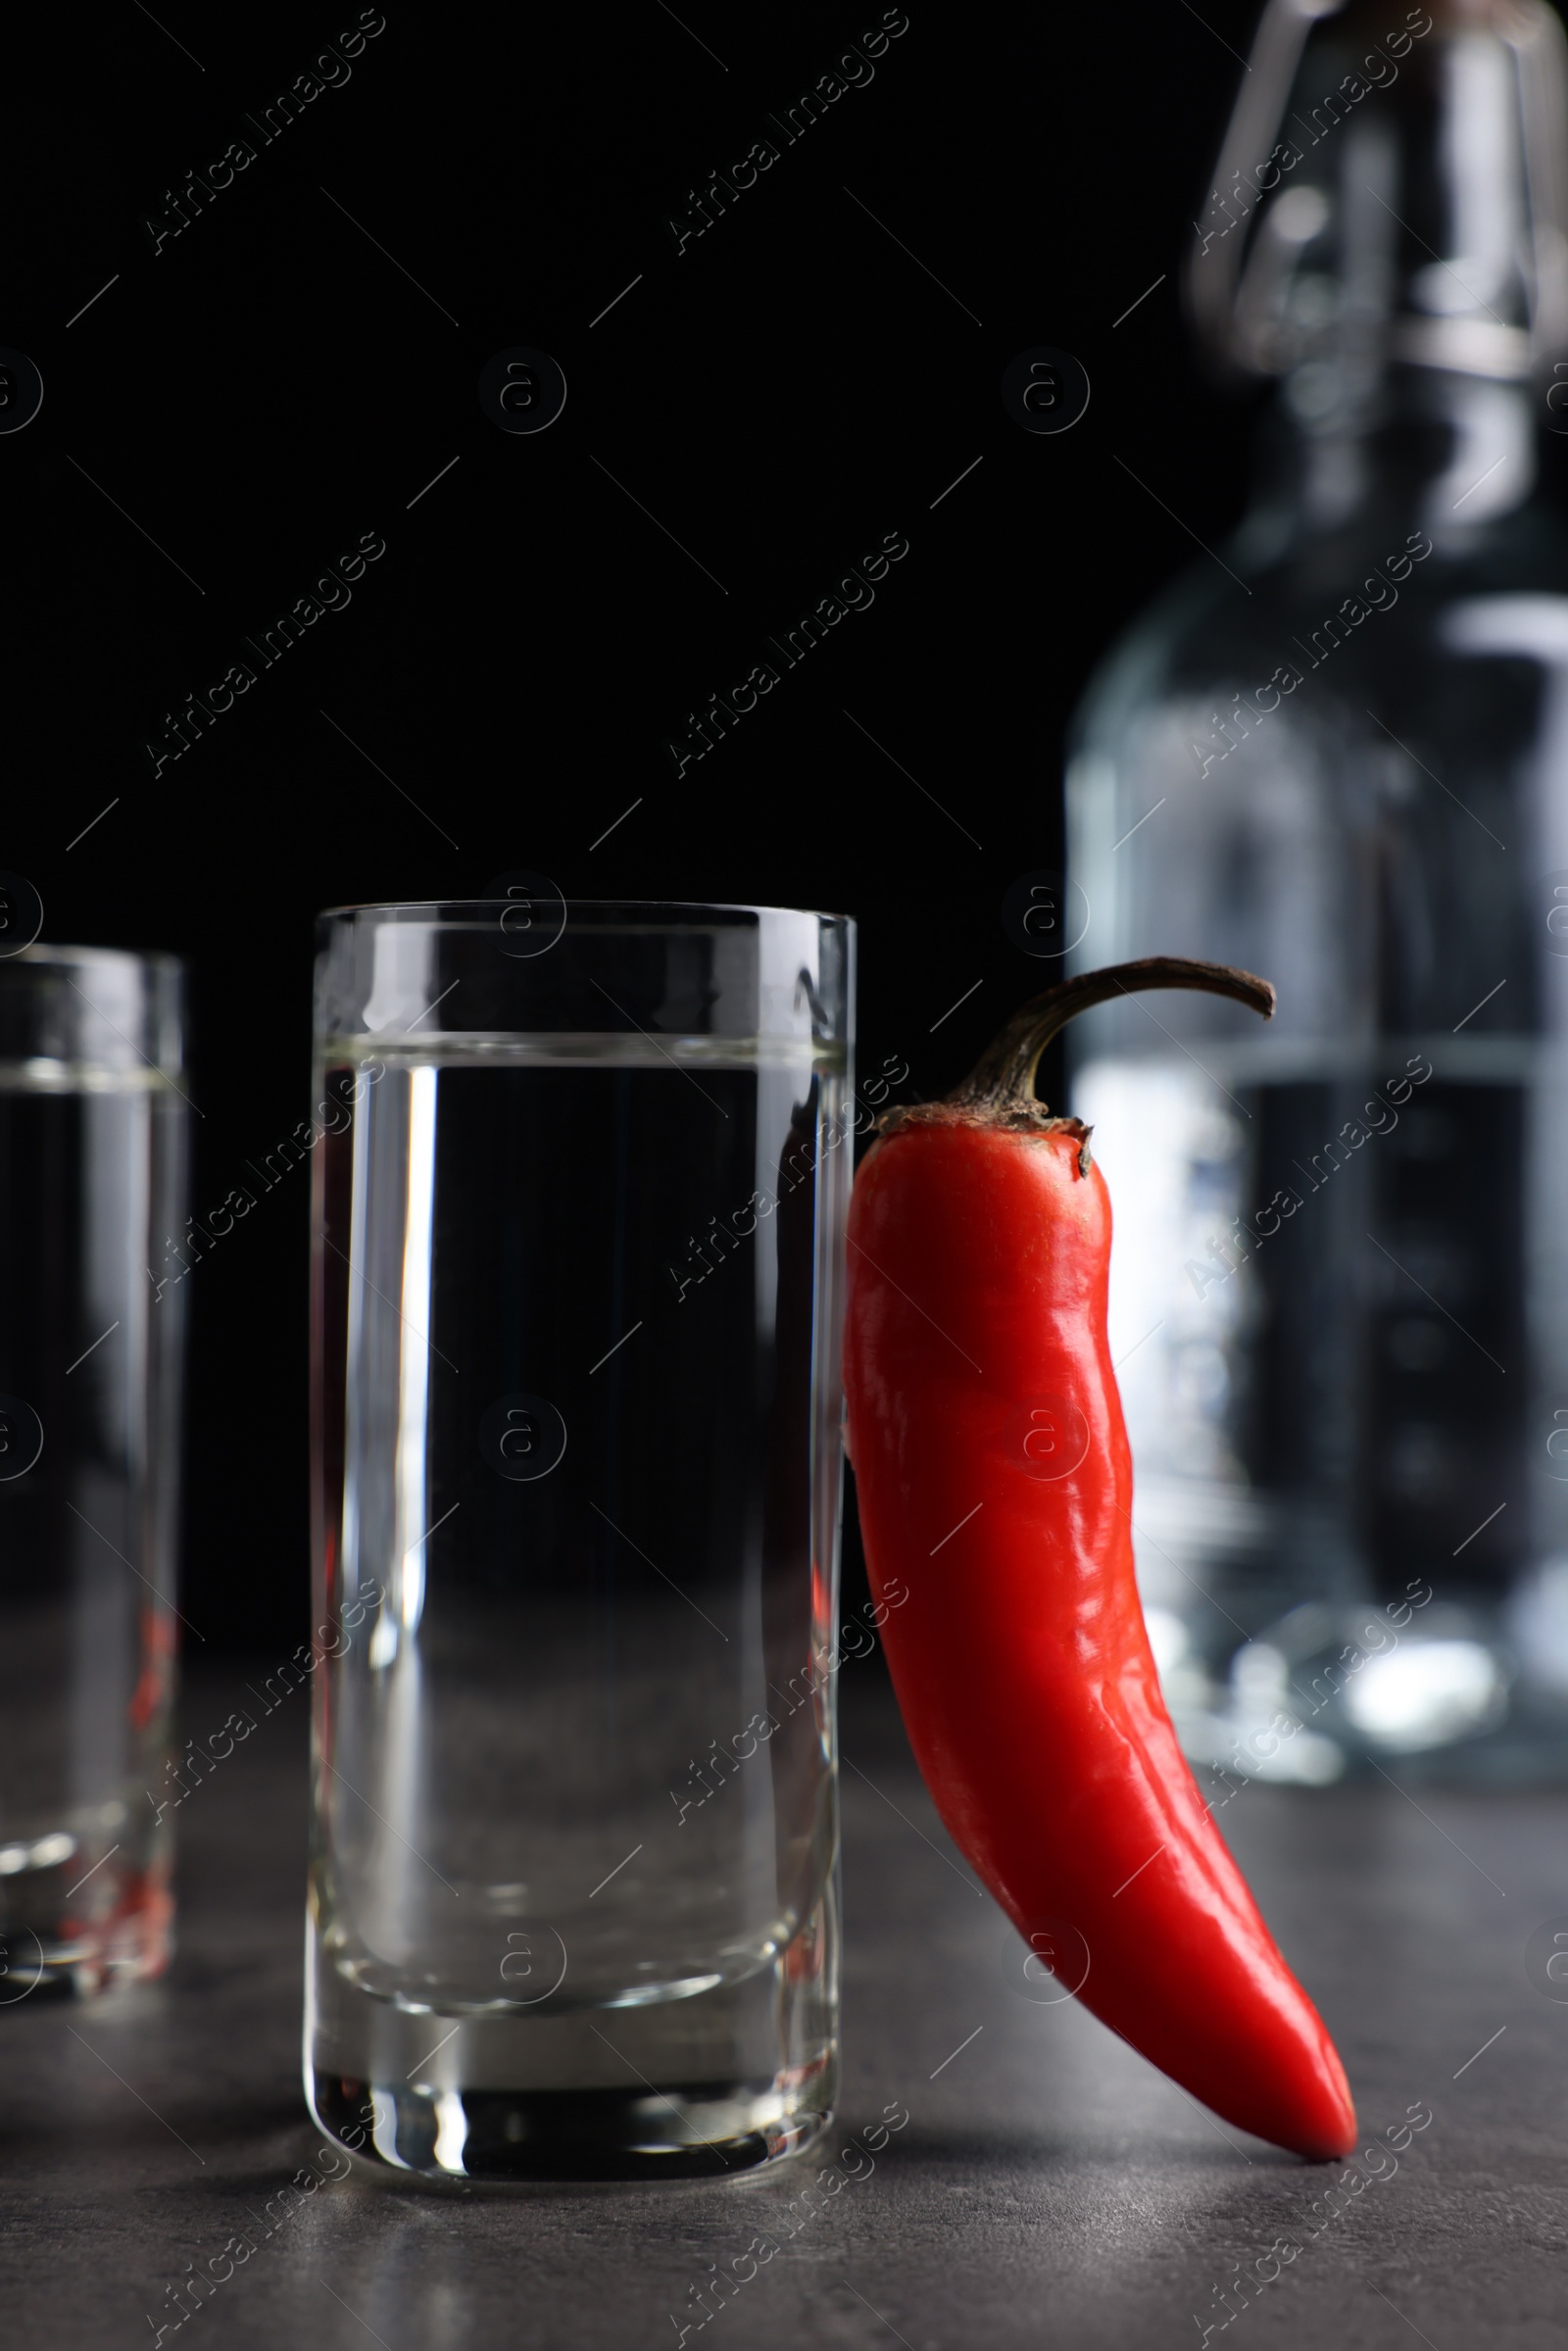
point(993, 1476)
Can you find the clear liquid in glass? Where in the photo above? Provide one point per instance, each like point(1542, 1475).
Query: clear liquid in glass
point(573, 1737)
point(90, 1172)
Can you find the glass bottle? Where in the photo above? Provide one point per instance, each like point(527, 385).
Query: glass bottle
point(1337, 754)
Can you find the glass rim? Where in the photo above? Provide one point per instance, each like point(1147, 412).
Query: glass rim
point(81, 1016)
point(433, 908)
point(41, 952)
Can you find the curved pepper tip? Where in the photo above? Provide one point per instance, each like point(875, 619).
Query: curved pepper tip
point(1325, 2125)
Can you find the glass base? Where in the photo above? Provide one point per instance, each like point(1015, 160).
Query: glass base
point(520, 2138)
point(121, 1932)
point(725, 2081)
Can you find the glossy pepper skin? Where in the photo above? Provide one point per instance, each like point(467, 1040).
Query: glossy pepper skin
point(993, 1476)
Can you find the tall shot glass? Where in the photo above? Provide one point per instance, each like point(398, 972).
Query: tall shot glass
point(577, 1279)
point(92, 1185)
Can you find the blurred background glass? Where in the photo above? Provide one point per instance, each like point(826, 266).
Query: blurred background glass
point(92, 1256)
point(1337, 753)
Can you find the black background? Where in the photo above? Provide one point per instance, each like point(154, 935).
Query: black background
point(793, 385)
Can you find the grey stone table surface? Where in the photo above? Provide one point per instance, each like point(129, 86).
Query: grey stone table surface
point(1048, 2186)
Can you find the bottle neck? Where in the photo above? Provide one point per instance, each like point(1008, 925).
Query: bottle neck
point(1397, 260)
point(1436, 451)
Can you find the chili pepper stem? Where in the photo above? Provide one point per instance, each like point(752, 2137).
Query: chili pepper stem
point(1003, 1077)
